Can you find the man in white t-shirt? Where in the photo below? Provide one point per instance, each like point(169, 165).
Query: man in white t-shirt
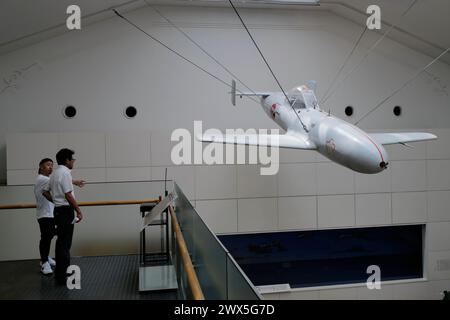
point(61, 189)
point(44, 215)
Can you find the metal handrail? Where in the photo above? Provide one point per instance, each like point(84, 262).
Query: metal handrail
point(85, 204)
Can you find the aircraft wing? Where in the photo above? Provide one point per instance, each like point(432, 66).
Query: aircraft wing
point(292, 141)
point(402, 137)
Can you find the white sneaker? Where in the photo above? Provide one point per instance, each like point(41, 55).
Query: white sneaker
point(52, 262)
point(46, 269)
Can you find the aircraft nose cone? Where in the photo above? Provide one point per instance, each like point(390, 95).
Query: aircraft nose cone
point(384, 165)
point(376, 157)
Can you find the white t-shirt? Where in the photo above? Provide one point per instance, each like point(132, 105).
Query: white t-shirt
point(60, 183)
point(44, 208)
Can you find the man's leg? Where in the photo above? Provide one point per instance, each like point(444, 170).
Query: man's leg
point(64, 230)
point(47, 227)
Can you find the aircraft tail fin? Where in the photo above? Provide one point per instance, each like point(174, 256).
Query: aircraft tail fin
point(234, 92)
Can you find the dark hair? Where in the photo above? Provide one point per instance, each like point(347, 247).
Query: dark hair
point(42, 162)
point(63, 155)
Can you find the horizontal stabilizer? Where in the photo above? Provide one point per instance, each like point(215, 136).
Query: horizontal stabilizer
point(402, 137)
point(254, 94)
point(234, 92)
point(292, 141)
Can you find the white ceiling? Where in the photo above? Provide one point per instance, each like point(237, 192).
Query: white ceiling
point(20, 18)
point(425, 28)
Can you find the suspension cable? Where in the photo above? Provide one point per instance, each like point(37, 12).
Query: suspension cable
point(268, 66)
point(369, 51)
point(345, 63)
point(404, 85)
point(198, 46)
point(176, 53)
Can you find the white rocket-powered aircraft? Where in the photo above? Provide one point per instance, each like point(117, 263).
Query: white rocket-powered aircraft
point(310, 128)
point(307, 126)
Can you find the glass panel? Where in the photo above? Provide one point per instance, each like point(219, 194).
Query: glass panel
point(309, 98)
point(185, 215)
point(210, 257)
point(183, 286)
point(302, 97)
point(239, 286)
point(210, 261)
point(207, 254)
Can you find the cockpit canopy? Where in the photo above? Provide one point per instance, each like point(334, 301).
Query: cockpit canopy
point(302, 98)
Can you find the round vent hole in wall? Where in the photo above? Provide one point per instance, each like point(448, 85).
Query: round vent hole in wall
point(69, 112)
point(130, 112)
point(349, 111)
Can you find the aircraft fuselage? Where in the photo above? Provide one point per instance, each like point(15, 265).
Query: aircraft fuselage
point(334, 138)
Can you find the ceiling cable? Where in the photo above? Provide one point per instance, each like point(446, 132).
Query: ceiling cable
point(268, 66)
point(257, 47)
point(368, 52)
point(198, 46)
point(175, 52)
point(404, 85)
point(345, 63)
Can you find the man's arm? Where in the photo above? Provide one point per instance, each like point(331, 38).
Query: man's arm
point(47, 195)
point(74, 204)
point(79, 183)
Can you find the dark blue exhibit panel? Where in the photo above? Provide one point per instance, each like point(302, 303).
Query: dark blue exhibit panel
point(328, 257)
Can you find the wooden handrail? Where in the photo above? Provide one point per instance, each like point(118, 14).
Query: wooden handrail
point(85, 204)
point(192, 279)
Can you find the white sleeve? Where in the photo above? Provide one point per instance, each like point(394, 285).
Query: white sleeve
point(66, 183)
point(44, 185)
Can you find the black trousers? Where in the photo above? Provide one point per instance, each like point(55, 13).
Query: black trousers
point(64, 230)
point(47, 227)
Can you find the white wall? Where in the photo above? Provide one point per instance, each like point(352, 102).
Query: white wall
point(109, 65)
